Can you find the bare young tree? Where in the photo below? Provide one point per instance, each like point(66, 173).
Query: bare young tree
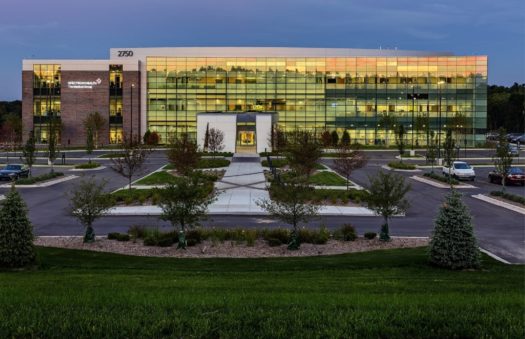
point(348, 160)
point(183, 154)
point(88, 202)
point(387, 198)
point(502, 158)
point(131, 162)
point(215, 140)
point(432, 149)
point(29, 151)
point(96, 122)
point(54, 129)
point(289, 203)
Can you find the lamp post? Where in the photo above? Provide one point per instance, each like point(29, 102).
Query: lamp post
point(131, 111)
point(439, 119)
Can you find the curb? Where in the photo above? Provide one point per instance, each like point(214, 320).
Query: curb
point(43, 184)
point(440, 185)
point(499, 203)
point(87, 169)
point(493, 256)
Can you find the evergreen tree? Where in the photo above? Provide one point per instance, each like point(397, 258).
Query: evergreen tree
point(16, 232)
point(335, 139)
point(345, 140)
point(453, 244)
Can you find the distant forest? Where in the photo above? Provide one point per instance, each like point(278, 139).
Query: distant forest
point(505, 108)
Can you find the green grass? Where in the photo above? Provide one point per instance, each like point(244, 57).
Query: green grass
point(279, 163)
point(327, 178)
point(134, 195)
point(39, 178)
point(339, 196)
point(87, 165)
point(158, 178)
point(401, 165)
point(213, 163)
point(389, 294)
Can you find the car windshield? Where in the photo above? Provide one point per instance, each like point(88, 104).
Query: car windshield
point(13, 167)
point(461, 165)
point(516, 171)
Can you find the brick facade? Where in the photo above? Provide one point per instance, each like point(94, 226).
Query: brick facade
point(131, 78)
point(27, 104)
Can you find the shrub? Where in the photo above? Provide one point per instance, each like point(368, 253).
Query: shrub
point(43, 177)
point(87, 165)
point(277, 233)
point(274, 242)
point(165, 241)
point(136, 232)
point(346, 233)
point(123, 237)
point(401, 165)
point(370, 235)
point(113, 235)
point(509, 196)
point(213, 163)
point(441, 178)
point(194, 235)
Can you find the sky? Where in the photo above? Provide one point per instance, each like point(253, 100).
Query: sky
point(86, 29)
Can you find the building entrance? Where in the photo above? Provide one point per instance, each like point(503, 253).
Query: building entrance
point(245, 141)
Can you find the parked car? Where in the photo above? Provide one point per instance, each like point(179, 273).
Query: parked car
point(460, 170)
point(514, 150)
point(511, 136)
point(520, 138)
point(515, 176)
point(13, 172)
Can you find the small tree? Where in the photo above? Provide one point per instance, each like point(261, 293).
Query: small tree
point(389, 122)
point(400, 140)
point(16, 232)
point(29, 151)
point(345, 140)
point(215, 140)
point(89, 142)
point(432, 149)
point(303, 152)
point(207, 137)
point(88, 202)
point(54, 127)
point(335, 139)
point(453, 244)
point(449, 153)
point(502, 158)
point(348, 160)
point(96, 122)
point(151, 138)
point(326, 139)
point(134, 154)
point(183, 154)
point(185, 203)
point(289, 203)
point(387, 198)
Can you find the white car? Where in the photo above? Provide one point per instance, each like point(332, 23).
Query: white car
point(460, 170)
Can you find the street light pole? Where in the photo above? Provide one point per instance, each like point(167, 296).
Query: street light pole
point(131, 112)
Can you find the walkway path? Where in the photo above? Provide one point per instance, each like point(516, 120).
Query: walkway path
point(242, 185)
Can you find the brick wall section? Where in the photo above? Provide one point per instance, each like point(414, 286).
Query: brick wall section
point(27, 104)
point(77, 104)
point(129, 78)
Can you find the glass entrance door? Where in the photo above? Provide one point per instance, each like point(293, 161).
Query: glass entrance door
point(246, 138)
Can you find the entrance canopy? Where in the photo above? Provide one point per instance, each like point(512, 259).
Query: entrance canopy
point(244, 132)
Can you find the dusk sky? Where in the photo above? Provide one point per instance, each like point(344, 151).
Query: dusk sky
point(73, 29)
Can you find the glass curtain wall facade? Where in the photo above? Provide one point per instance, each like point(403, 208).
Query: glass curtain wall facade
point(367, 96)
point(46, 98)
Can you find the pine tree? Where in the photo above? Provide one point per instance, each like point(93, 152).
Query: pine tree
point(453, 244)
point(16, 233)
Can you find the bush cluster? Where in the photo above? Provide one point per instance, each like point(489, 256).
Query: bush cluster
point(441, 178)
point(347, 232)
point(119, 236)
point(370, 235)
point(87, 165)
point(212, 163)
point(343, 196)
point(401, 165)
point(43, 177)
point(509, 196)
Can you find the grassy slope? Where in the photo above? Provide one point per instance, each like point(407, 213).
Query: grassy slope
point(327, 178)
point(384, 293)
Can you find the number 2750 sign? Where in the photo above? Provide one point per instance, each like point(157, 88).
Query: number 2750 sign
point(125, 53)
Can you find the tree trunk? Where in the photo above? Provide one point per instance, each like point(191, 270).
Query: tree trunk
point(384, 235)
point(182, 238)
point(89, 236)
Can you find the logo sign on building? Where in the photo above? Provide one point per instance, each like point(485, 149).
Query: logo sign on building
point(125, 53)
point(83, 84)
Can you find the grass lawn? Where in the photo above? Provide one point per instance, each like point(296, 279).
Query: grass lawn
point(390, 294)
point(327, 178)
point(206, 163)
point(278, 163)
point(87, 165)
point(158, 178)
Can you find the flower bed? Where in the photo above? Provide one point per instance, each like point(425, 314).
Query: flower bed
point(87, 165)
point(442, 178)
point(401, 165)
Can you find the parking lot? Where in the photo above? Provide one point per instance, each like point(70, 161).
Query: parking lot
point(499, 230)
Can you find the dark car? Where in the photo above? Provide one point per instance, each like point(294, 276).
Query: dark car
point(13, 172)
point(515, 176)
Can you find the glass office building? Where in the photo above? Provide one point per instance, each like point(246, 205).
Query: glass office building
point(368, 93)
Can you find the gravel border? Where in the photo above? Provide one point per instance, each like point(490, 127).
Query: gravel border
point(229, 249)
